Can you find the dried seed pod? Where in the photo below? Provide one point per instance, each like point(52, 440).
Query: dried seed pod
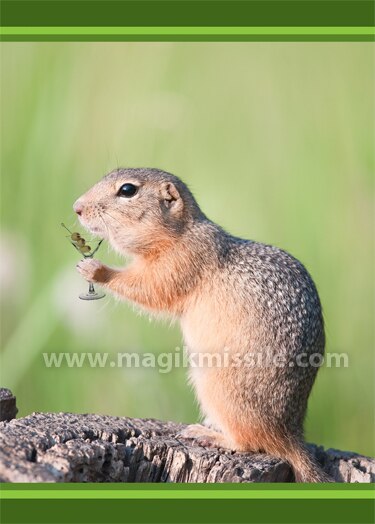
point(85, 249)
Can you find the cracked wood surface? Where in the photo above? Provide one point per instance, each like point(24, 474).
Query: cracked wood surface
point(65, 447)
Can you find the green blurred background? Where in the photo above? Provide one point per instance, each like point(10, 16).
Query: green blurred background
point(275, 140)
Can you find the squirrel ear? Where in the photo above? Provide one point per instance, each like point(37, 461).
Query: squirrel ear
point(171, 197)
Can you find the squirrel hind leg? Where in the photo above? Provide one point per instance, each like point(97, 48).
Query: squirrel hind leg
point(205, 436)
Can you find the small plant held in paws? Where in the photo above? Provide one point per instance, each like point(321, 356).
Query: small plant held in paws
point(81, 245)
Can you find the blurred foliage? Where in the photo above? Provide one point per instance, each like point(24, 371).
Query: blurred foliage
point(276, 142)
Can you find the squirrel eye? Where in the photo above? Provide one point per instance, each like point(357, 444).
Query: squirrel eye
point(127, 190)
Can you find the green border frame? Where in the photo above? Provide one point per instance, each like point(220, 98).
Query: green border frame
point(185, 503)
point(150, 491)
point(183, 13)
point(187, 21)
point(188, 33)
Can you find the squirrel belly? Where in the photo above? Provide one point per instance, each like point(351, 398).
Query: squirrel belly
point(250, 313)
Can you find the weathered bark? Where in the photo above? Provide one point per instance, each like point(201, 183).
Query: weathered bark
point(64, 447)
point(8, 408)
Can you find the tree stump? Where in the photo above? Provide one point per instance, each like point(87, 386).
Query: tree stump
point(8, 408)
point(65, 447)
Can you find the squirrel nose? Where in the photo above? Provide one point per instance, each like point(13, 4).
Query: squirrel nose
point(78, 207)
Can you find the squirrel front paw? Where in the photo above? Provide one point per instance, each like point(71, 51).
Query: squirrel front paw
point(93, 270)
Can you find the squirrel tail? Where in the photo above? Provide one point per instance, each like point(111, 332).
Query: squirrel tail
point(304, 466)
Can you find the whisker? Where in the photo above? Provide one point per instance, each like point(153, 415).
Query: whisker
point(113, 218)
point(104, 223)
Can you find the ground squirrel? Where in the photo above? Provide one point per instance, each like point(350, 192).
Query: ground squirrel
point(229, 295)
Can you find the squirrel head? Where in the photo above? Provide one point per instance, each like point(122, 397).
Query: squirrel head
point(138, 210)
